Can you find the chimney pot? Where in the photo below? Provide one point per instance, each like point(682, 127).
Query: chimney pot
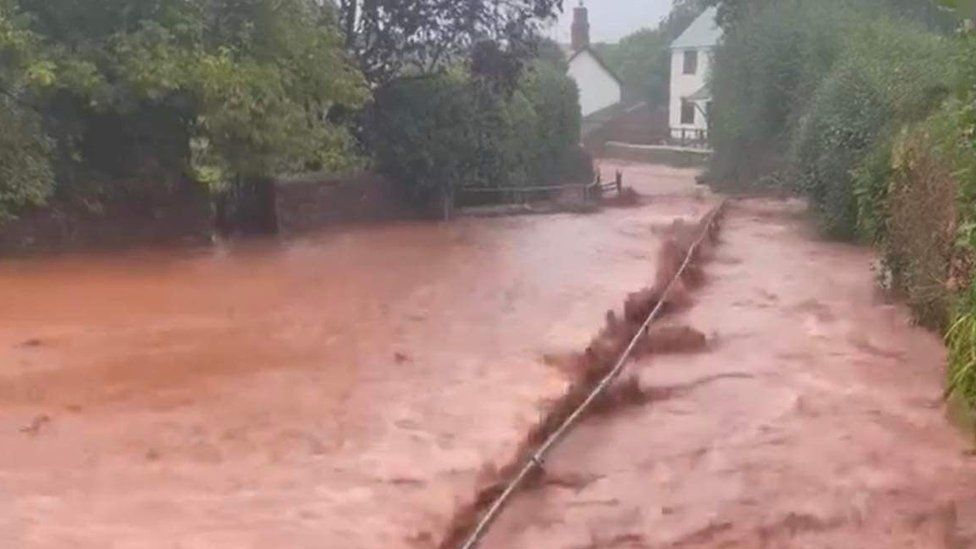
point(581, 27)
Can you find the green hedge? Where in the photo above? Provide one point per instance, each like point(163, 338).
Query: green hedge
point(869, 110)
point(438, 134)
point(888, 74)
point(765, 73)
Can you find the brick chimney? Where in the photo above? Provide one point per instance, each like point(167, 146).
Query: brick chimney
point(581, 27)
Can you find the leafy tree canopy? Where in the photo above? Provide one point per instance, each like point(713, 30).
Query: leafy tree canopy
point(643, 60)
point(393, 37)
point(159, 89)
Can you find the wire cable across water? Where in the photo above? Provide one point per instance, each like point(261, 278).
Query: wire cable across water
point(538, 458)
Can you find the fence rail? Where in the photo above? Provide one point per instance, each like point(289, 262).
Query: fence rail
point(588, 189)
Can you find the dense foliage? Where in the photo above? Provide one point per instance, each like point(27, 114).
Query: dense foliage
point(440, 133)
point(775, 57)
point(102, 99)
point(391, 37)
point(889, 74)
point(26, 173)
point(107, 94)
point(643, 59)
point(869, 109)
point(765, 74)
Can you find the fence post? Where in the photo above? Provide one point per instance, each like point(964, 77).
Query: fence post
point(620, 183)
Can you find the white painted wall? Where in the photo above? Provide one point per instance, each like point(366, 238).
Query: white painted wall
point(598, 89)
point(683, 85)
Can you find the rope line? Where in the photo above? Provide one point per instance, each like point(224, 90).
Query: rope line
point(538, 458)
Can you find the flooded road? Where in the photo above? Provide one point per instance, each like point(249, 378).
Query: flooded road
point(340, 390)
point(814, 420)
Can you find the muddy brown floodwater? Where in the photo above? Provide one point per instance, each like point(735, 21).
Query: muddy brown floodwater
point(814, 419)
point(339, 390)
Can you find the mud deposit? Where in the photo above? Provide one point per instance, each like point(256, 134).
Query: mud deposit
point(342, 390)
point(812, 419)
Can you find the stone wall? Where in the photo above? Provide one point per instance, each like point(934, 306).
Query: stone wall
point(320, 200)
point(679, 157)
point(183, 216)
point(638, 124)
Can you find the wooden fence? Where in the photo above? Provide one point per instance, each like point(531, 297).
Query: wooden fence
point(589, 191)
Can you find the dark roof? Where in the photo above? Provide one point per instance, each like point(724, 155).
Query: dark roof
point(599, 61)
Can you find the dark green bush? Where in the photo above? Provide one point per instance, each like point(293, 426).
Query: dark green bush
point(889, 74)
point(775, 57)
point(26, 174)
point(555, 100)
point(424, 134)
point(116, 94)
point(438, 134)
point(765, 72)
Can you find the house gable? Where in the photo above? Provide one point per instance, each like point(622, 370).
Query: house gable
point(703, 32)
point(691, 61)
point(599, 87)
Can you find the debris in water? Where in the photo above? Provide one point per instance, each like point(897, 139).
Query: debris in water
point(597, 361)
point(623, 394)
point(36, 424)
point(672, 340)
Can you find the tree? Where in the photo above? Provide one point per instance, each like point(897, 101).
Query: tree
point(158, 90)
point(643, 59)
point(26, 174)
point(425, 135)
point(394, 37)
point(733, 13)
point(555, 99)
point(438, 134)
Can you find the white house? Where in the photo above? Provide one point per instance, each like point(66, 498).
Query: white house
point(691, 60)
point(599, 87)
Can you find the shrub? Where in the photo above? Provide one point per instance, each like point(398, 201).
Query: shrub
point(774, 58)
point(555, 100)
point(26, 174)
point(921, 230)
point(889, 74)
point(136, 91)
point(955, 126)
point(870, 187)
point(437, 134)
point(765, 71)
point(423, 134)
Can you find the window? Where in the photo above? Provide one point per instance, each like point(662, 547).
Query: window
point(687, 113)
point(691, 62)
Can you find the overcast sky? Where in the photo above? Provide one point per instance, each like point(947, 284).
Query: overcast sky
point(611, 20)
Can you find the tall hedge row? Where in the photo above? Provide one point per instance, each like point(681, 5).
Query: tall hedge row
point(868, 109)
point(439, 134)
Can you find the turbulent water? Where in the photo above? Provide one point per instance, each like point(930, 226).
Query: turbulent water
point(345, 388)
point(348, 389)
point(813, 420)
